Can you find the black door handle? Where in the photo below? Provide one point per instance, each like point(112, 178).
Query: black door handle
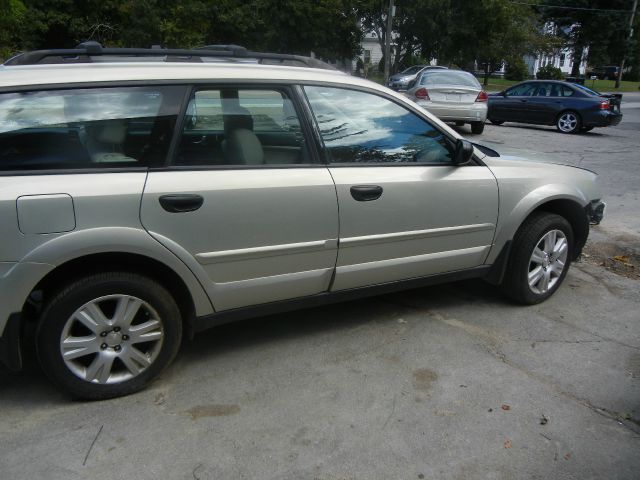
point(366, 193)
point(181, 203)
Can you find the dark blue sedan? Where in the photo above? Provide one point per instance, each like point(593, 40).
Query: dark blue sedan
point(570, 107)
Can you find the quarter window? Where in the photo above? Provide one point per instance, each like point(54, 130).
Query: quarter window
point(359, 127)
point(87, 128)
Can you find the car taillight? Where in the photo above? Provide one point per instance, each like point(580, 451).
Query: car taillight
point(604, 105)
point(482, 97)
point(422, 94)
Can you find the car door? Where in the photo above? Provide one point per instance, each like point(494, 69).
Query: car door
point(245, 202)
point(543, 104)
point(513, 106)
point(405, 210)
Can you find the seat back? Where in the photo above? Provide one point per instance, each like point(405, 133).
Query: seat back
point(242, 147)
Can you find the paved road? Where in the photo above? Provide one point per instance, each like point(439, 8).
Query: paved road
point(449, 382)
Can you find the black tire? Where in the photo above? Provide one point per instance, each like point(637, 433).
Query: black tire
point(496, 122)
point(149, 335)
point(477, 127)
point(459, 123)
point(568, 122)
point(516, 282)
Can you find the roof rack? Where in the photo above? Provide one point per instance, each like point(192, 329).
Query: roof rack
point(93, 52)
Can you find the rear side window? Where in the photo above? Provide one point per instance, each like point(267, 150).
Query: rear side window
point(242, 127)
point(359, 127)
point(87, 128)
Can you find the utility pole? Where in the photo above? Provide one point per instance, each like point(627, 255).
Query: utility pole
point(387, 42)
point(624, 51)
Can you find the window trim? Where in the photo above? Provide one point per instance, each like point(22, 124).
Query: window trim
point(474, 161)
point(287, 88)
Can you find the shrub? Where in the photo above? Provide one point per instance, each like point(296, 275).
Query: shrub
point(549, 72)
point(516, 70)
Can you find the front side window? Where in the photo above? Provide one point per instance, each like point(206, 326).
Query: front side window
point(360, 127)
point(522, 90)
point(232, 126)
point(87, 128)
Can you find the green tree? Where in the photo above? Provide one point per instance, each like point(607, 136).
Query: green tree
point(11, 25)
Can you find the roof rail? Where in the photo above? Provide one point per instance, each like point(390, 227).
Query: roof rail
point(90, 52)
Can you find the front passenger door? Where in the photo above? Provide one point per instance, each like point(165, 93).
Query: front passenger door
point(405, 210)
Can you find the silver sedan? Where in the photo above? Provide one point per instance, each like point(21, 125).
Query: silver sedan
point(452, 96)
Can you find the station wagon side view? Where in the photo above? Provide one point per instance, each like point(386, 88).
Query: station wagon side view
point(146, 195)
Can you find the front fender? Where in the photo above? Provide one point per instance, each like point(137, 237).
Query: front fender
point(513, 212)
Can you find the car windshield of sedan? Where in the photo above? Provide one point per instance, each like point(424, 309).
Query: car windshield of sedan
point(449, 78)
point(586, 89)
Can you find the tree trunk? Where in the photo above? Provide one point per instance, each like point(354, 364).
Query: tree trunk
point(577, 60)
point(487, 72)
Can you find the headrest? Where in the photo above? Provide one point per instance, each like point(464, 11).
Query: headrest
point(108, 131)
point(239, 117)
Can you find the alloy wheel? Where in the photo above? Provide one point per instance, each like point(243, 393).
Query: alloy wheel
point(548, 261)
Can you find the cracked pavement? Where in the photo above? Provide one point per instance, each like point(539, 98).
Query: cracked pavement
point(446, 382)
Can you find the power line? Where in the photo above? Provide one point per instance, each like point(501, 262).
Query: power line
point(562, 7)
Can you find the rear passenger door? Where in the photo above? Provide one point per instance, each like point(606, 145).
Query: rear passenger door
point(245, 202)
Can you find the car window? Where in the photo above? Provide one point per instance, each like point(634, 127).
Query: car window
point(522, 90)
point(87, 128)
point(449, 77)
point(546, 90)
point(567, 91)
point(231, 126)
point(360, 127)
point(412, 70)
point(586, 89)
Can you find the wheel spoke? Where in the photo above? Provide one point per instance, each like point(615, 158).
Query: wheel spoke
point(126, 310)
point(133, 361)
point(544, 281)
point(557, 267)
point(549, 241)
point(146, 332)
point(100, 369)
point(75, 347)
point(538, 256)
point(535, 275)
point(560, 247)
point(91, 316)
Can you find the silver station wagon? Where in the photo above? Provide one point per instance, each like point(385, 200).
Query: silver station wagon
point(146, 195)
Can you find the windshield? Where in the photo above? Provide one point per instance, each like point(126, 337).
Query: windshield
point(412, 70)
point(448, 77)
point(586, 89)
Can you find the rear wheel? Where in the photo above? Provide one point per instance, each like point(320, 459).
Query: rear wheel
point(568, 122)
point(477, 127)
point(496, 122)
point(539, 261)
point(108, 335)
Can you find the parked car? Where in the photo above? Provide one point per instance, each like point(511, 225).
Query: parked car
point(610, 72)
point(570, 107)
point(142, 201)
point(401, 81)
point(452, 96)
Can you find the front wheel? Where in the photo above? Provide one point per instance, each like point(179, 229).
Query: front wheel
point(568, 122)
point(477, 127)
point(108, 335)
point(539, 261)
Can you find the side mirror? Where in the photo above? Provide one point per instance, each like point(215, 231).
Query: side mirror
point(503, 93)
point(411, 84)
point(463, 152)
